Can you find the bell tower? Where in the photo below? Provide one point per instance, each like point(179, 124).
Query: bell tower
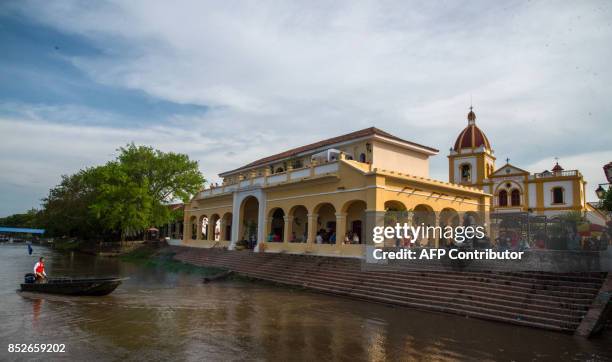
point(471, 160)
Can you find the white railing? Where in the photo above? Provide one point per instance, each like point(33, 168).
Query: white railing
point(567, 173)
point(274, 179)
point(300, 173)
point(326, 168)
point(290, 175)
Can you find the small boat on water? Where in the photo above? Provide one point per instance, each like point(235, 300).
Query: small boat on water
point(73, 286)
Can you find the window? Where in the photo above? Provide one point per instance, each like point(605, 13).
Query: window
point(503, 198)
point(466, 173)
point(362, 158)
point(515, 197)
point(557, 195)
point(279, 170)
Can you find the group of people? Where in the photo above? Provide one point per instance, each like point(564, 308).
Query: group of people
point(323, 237)
point(329, 237)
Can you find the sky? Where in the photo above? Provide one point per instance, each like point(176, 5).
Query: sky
point(228, 82)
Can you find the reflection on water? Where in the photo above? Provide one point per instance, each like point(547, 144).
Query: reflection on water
point(160, 315)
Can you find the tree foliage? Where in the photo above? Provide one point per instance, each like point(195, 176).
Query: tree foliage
point(606, 202)
point(122, 197)
point(29, 219)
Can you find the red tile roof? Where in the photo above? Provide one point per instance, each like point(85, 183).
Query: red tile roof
point(471, 137)
point(367, 132)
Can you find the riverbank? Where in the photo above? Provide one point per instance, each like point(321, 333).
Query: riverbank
point(151, 256)
point(102, 248)
point(551, 301)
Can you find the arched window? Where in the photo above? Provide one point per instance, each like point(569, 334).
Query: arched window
point(279, 170)
point(515, 197)
point(466, 173)
point(503, 198)
point(362, 158)
point(558, 195)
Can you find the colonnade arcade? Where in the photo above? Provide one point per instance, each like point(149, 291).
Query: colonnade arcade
point(212, 228)
point(331, 223)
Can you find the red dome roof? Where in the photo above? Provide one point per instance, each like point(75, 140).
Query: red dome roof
point(471, 137)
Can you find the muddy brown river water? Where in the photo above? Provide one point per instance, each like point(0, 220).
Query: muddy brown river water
point(160, 315)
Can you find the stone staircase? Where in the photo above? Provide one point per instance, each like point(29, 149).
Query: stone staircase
point(536, 299)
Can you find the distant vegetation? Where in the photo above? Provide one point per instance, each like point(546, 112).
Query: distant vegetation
point(27, 220)
point(117, 200)
point(162, 259)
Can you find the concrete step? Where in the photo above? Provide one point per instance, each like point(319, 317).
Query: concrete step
point(543, 300)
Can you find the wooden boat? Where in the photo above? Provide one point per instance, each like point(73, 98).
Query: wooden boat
point(69, 286)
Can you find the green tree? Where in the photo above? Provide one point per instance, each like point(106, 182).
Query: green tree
point(123, 197)
point(29, 219)
point(66, 209)
point(606, 202)
point(134, 190)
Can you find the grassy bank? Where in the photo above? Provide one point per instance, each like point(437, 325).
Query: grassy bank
point(67, 245)
point(152, 257)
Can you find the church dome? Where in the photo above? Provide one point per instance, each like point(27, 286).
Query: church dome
point(471, 137)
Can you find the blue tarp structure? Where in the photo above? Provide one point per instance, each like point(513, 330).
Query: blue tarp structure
point(21, 230)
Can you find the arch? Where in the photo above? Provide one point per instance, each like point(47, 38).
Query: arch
point(226, 226)
point(298, 228)
point(193, 227)
point(471, 218)
point(249, 220)
point(558, 195)
point(326, 221)
point(214, 227)
point(395, 205)
point(508, 184)
point(276, 217)
point(502, 198)
point(203, 225)
point(395, 212)
point(515, 197)
point(448, 217)
point(355, 211)
point(424, 215)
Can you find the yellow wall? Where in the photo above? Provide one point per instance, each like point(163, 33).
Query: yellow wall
point(342, 197)
point(392, 157)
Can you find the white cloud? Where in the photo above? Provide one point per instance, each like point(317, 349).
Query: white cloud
point(280, 74)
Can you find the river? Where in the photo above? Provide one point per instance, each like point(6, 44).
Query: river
point(160, 315)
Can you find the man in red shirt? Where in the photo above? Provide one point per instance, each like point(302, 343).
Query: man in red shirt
point(39, 269)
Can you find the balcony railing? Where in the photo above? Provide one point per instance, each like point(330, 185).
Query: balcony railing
point(568, 173)
point(274, 179)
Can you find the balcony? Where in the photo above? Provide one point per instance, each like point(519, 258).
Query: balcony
point(293, 175)
point(565, 173)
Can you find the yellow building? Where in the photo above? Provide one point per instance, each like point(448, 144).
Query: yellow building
point(472, 163)
point(322, 198)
